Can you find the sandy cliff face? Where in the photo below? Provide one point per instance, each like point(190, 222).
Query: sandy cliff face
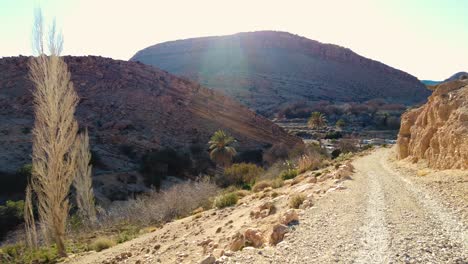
point(437, 132)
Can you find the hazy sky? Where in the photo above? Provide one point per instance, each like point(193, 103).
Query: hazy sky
point(427, 38)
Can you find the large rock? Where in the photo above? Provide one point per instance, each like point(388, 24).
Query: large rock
point(277, 233)
point(237, 242)
point(254, 237)
point(289, 216)
point(437, 132)
point(263, 210)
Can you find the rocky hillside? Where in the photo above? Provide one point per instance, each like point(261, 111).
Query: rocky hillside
point(129, 108)
point(268, 69)
point(437, 132)
point(456, 76)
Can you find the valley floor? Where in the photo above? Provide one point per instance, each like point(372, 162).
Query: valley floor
point(386, 214)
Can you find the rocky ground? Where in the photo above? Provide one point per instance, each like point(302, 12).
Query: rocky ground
point(387, 212)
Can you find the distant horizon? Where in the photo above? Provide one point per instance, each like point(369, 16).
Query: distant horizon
point(427, 39)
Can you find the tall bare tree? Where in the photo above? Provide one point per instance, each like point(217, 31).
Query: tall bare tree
point(55, 132)
point(83, 181)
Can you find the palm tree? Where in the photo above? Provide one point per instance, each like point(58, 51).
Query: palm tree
point(317, 120)
point(340, 124)
point(221, 151)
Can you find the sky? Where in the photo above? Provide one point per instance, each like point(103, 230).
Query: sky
point(426, 38)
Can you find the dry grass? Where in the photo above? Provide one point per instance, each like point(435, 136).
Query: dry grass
point(309, 162)
point(54, 153)
point(259, 186)
point(423, 172)
point(102, 243)
point(159, 207)
point(296, 201)
point(83, 181)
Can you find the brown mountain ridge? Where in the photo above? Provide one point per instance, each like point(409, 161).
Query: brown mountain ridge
point(267, 69)
point(129, 108)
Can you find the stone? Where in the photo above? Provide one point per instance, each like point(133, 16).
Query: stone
point(217, 253)
point(312, 179)
point(289, 216)
point(237, 242)
point(210, 259)
point(263, 210)
point(253, 237)
point(277, 233)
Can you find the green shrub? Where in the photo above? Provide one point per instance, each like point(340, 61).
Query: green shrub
point(249, 156)
point(368, 146)
point(156, 165)
point(225, 200)
point(240, 174)
point(296, 201)
point(344, 157)
point(11, 215)
point(288, 174)
point(102, 243)
point(19, 254)
point(128, 233)
point(333, 135)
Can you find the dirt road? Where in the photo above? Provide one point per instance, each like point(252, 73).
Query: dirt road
point(386, 215)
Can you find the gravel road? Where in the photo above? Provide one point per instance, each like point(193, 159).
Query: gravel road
point(384, 216)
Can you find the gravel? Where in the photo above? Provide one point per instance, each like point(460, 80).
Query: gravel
point(385, 215)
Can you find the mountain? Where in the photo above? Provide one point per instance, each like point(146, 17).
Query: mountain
point(268, 69)
point(437, 132)
point(129, 108)
point(456, 76)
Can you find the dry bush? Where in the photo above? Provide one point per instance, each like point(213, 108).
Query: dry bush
point(307, 162)
point(83, 181)
point(259, 186)
point(240, 174)
point(296, 201)
point(102, 243)
point(158, 207)
point(278, 152)
point(54, 133)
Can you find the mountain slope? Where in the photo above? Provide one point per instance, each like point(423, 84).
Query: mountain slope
point(267, 69)
point(129, 108)
point(456, 76)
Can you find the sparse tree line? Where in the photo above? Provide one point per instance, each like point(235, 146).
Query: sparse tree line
point(374, 113)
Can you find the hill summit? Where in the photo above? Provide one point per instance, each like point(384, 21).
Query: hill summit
point(268, 69)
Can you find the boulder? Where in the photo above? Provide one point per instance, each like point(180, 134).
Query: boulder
point(263, 210)
point(253, 237)
point(288, 217)
point(210, 259)
point(277, 233)
point(237, 242)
